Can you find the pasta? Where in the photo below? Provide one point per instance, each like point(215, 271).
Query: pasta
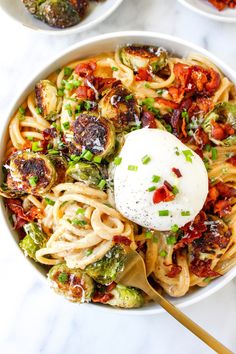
point(64, 144)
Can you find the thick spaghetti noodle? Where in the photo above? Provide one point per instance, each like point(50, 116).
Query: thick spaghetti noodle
point(64, 143)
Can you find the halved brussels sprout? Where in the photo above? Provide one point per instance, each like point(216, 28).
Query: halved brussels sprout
point(46, 99)
point(86, 172)
point(106, 269)
point(120, 107)
point(80, 6)
point(126, 297)
point(136, 57)
point(31, 173)
point(224, 112)
point(59, 13)
point(32, 6)
point(94, 133)
point(74, 284)
point(60, 163)
point(33, 241)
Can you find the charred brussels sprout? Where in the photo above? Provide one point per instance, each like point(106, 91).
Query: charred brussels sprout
point(223, 113)
point(137, 57)
point(31, 173)
point(46, 99)
point(94, 133)
point(33, 241)
point(81, 6)
point(126, 297)
point(85, 172)
point(60, 164)
point(59, 13)
point(120, 107)
point(32, 6)
point(106, 269)
point(74, 284)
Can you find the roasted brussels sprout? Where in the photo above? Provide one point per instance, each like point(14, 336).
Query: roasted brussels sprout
point(223, 113)
point(94, 133)
point(31, 173)
point(32, 6)
point(74, 284)
point(120, 107)
point(33, 241)
point(61, 165)
point(81, 6)
point(137, 57)
point(106, 269)
point(86, 172)
point(46, 99)
point(126, 297)
point(59, 13)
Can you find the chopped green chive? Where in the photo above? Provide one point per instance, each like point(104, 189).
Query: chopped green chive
point(69, 109)
point(67, 71)
point(188, 155)
point(177, 151)
point(30, 138)
point(171, 240)
point(146, 159)
point(80, 211)
point(151, 189)
point(60, 92)
point(53, 152)
point(155, 239)
point(114, 68)
point(129, 97)
point(208, 147)
point(97, 159)
point(148, 234)
point(49, 201)
point(163, 253)
point(77, 83)
point(102, 184)
point(69, 86)
point(117, 160)
point(155, 178)
point(22, 111)
point(88, 252)
point(33, 181)
point(163, 212)
point(79, 222)
point(88, 155)
point(63, 277)
point(185, 213)
point(87, 105)
point(133, 168)
point(185, 116)
point(175, 190)
point(214, 153)
point(36, 146)
point(174, 228)
point(38, 110)
point(66, 125)
point(147, 85)
point(78, 108)
point(149, 104)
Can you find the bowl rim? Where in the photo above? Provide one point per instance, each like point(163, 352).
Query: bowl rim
point(69, 30)
point(215, 17)
point(146, 35)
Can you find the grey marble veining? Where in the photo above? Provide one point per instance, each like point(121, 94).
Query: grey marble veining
point(35, 321)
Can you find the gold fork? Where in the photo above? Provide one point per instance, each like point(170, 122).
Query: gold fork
point(134, 274)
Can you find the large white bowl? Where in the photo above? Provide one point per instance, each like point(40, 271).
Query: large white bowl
point(203, 7)
point(88, 48)
point(98, 12)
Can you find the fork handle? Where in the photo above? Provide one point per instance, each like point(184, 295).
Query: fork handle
point(187, 322)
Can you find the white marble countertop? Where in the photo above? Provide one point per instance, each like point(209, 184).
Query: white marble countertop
point(35, 321)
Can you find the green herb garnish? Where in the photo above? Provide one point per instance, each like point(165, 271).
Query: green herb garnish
point(133, 168)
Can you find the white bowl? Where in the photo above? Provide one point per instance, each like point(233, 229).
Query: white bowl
point(203, 7)
point(98, 12)
point(88, 48)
